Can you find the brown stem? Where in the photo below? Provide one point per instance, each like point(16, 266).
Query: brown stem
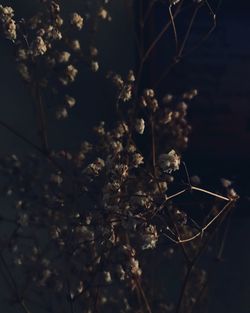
point(41, 116)
point(145, 299)
point(161, 34)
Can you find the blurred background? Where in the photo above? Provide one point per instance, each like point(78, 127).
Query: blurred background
point(220, 115)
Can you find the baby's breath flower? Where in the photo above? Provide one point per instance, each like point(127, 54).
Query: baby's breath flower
point(100, 129)
point(61, 113)
point(190, 94)
point(94, 66)
point(35, 21)
point(10, 29)
point(150, 237)
point(54, 33)
point(70, 101)
point(118, 81)
point(8, 24)
point(58, 21)
point(7, 11)
point(103, 13)
point(153, 104)
point(95, 168)
point(71, 72)
point(70, 75)
point(169, 162)
point(149, 93)
point(107, 277)
point(24, 72)
point(22, 54)
point(137, 159)
point(63, 57)
point(56, 178)
point(140, 125)
point(23, 219)
point(131, 148)
point(83, 232)
point(120, 272)
point(182, 106)
point(39, 46)
point(167, 117)
point(126, 93)
point(131, 76)
point(93, 51)
point(134, 267)
point(116, 146)
point(76, 20)
point(75, 45)
point(232, 194)
point(167, 98)
point(226, 182)
point(121, 130)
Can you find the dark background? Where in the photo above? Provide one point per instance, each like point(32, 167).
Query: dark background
point(220, 117)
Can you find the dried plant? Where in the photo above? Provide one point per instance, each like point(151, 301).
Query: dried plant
point(93, 230)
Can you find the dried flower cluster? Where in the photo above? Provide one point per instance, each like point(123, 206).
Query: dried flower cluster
point(88, 228)
point(48, 50)
point(100, 209)
point(8, 25)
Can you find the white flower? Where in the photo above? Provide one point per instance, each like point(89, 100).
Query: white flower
point(61, 113)
point(75, 45)
point(226, 182)
point(94, 66)
point(140, 125)
point(77, 20)
point(107, 277)
point(63, 57)
point(150, 237)
point(169, 162)
point(39, 46)
point(137, 160)
point(70, 101)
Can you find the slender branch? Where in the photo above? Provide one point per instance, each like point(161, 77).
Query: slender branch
point(153, 144)
point(22, 137)
point(183, 288)
point(203, 229)
point(161, 34)
point(188, 32)
point(41, 120)
point(210, 193)
point(173, 25)
point(143, 296)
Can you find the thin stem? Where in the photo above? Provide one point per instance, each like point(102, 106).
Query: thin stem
point(143, 296)
point(22, 137)
point(188, 31)
point(153, 144)
point(200, 233)
point(210, 193)
point(161, 34)
point(183, 288)
point(173, 25)
point(42, 120)
point(175, 195)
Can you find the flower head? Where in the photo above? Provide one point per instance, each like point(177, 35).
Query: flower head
point(169, 162)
